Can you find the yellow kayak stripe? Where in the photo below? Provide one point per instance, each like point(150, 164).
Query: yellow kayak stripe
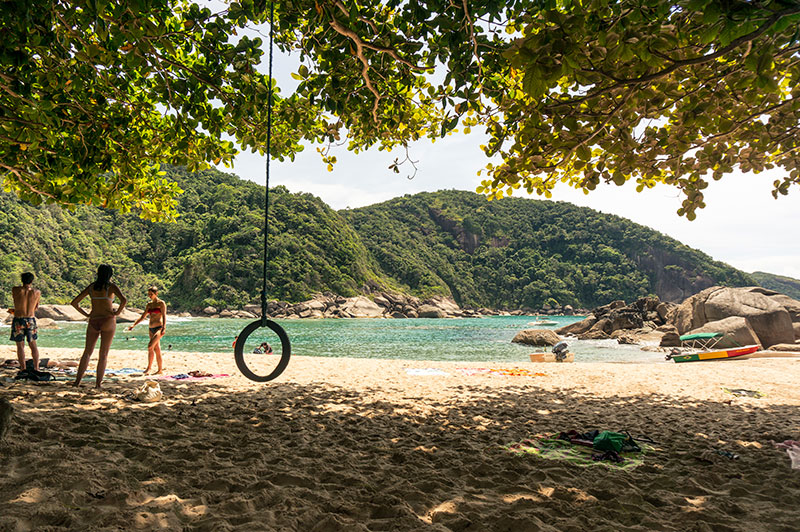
point(715, 354)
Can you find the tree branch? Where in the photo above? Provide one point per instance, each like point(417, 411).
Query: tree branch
point(622, 82)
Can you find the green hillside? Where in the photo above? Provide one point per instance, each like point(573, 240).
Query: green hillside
point(510, 253)
point(212, 255)
point(525, 253)
point(779, 283)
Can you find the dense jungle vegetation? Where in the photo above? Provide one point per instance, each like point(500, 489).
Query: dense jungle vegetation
point(212, 254)
point(779, 283)
point(511, 253)
point(518, 252)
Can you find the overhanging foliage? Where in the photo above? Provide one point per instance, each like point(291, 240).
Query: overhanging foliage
point(95, 94)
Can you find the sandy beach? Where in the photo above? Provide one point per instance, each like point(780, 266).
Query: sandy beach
point(361, 444)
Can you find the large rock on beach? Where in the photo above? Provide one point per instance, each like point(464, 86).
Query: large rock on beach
point(209, 311)
point(361, 307)
point(577, 328)
point(382, 301)
point(430, 311)
point(670, 336)
point(594, 334)
point(59, 313)
point(622, 319)
point(605, 309)
point(253, 309)
point(602, 325)
point(538, 337)
point(446, 304)
point(644, 335)
point(316, 304)
point(128, 316)
point(737, 331)
point(792, 306)
point(768, 318)
point(790, 348)
point(46, 323)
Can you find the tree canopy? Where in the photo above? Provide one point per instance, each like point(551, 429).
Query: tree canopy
point(95, 94)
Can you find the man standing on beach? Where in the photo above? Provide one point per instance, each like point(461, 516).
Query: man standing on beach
point(23, 326)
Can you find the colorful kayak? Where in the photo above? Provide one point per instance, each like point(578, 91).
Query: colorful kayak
point(551, 357)
point(716, 355)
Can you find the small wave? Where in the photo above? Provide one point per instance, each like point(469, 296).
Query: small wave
point(181, 319)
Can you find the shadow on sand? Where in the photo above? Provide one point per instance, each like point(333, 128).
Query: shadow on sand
point(326, 458)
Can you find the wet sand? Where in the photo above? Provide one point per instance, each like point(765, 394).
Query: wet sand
point(359, 444)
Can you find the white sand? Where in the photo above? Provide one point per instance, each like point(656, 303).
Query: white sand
point(353, 444)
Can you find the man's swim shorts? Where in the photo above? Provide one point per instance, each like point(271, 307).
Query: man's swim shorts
point(24, 328)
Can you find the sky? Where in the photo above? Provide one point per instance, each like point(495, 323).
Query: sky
point(742, 225)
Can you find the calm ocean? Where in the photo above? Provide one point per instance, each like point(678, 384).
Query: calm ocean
point(475, 339)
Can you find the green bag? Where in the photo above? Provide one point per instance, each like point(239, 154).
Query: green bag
point(609, 441)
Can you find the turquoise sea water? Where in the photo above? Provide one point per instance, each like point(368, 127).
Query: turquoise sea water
point(473, 339)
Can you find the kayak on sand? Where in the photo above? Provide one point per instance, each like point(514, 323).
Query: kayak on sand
point(713, 355)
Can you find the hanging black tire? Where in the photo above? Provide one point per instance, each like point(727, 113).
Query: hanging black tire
point(286, 351)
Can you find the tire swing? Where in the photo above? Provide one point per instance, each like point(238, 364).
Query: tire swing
point(286, 348)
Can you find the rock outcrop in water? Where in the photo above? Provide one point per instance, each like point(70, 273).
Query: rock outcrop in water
point(644, 320)
point(378, 305)
point(537, 337)
point(382, 305)
point(746, 316)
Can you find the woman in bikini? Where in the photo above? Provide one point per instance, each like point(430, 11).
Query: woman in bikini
point(157, 310)
point(102, 320)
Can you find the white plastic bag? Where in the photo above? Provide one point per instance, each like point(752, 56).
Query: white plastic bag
point(150, 392)
point(794, 454)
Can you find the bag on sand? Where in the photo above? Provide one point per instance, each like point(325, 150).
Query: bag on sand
point(609, 441)
point(150, 392)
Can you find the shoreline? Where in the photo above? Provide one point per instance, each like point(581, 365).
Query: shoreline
point(340, 444)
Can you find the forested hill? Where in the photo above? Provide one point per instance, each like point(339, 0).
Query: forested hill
point(519, 252)
point(511, 253)
point(779, 283)
point(212, 254)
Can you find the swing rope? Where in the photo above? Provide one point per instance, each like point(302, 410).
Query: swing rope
point(269, 145)
point(286, 346)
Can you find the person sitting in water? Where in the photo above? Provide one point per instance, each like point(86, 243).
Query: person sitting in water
point(263, 349)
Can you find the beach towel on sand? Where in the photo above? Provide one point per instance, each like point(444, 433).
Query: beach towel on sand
point(555, 449)
point(183, 377)
point(508, 372)
point(125, 371)
point(426, 371)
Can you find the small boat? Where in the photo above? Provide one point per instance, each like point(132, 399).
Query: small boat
point(543, 322)
point(552, 357)
point(721, 354)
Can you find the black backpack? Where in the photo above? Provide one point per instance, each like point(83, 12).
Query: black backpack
point(36, 376)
